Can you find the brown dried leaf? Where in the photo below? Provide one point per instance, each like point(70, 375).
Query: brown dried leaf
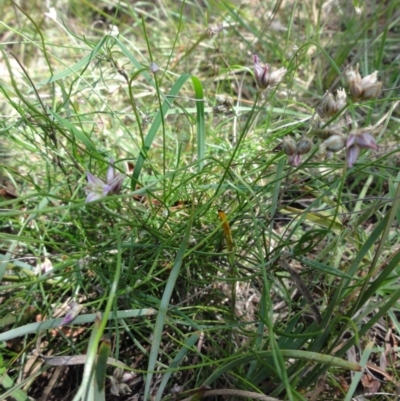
point(370, 384)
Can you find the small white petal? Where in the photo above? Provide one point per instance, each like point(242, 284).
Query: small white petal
point(52, 14)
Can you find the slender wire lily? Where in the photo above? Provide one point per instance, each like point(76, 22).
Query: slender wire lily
point(98, 189)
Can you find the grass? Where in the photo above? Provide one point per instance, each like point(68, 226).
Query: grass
point(224, 267)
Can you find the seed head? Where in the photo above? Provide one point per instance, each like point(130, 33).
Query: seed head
point(363, 88)
point(329, 106)
point(341, 99)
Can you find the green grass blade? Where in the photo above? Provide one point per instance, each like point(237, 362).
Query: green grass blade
point(78, 68)
point(312, 357)
point(11, 390)
point(156, 125)
point(357, 376)
point(175, 362)
point(79, 135)
point(164, 304)
point(200, 121)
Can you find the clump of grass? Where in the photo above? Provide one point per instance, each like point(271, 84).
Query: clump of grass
point(230, 247)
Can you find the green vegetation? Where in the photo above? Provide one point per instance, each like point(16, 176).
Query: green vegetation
point(180, 220)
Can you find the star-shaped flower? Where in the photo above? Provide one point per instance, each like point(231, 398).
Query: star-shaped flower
point(97, 188)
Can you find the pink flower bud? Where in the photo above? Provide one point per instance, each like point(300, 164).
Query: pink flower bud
point(356, 141)
point(74, 311)
point(264, 77)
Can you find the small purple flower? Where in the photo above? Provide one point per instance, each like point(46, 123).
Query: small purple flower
point(75, 310)
point(154, 68)
point(357, 141)
point(97, 188)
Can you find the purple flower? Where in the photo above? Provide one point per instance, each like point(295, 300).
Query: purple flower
point(75, 310)
point(97, 188)
point(356, 142)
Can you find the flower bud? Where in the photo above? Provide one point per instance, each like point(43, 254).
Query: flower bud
point(289, 145)
point(304, 146)
point(264, 77)
point(358, 140)
point(261, 73)
point(335, 143)
point(154, 68)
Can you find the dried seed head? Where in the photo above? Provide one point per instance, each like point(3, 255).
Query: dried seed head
point(327, 107)
point(276, 76)
point(363, 88)
point(341, 99)
point(354, 81)
point(371, 87)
